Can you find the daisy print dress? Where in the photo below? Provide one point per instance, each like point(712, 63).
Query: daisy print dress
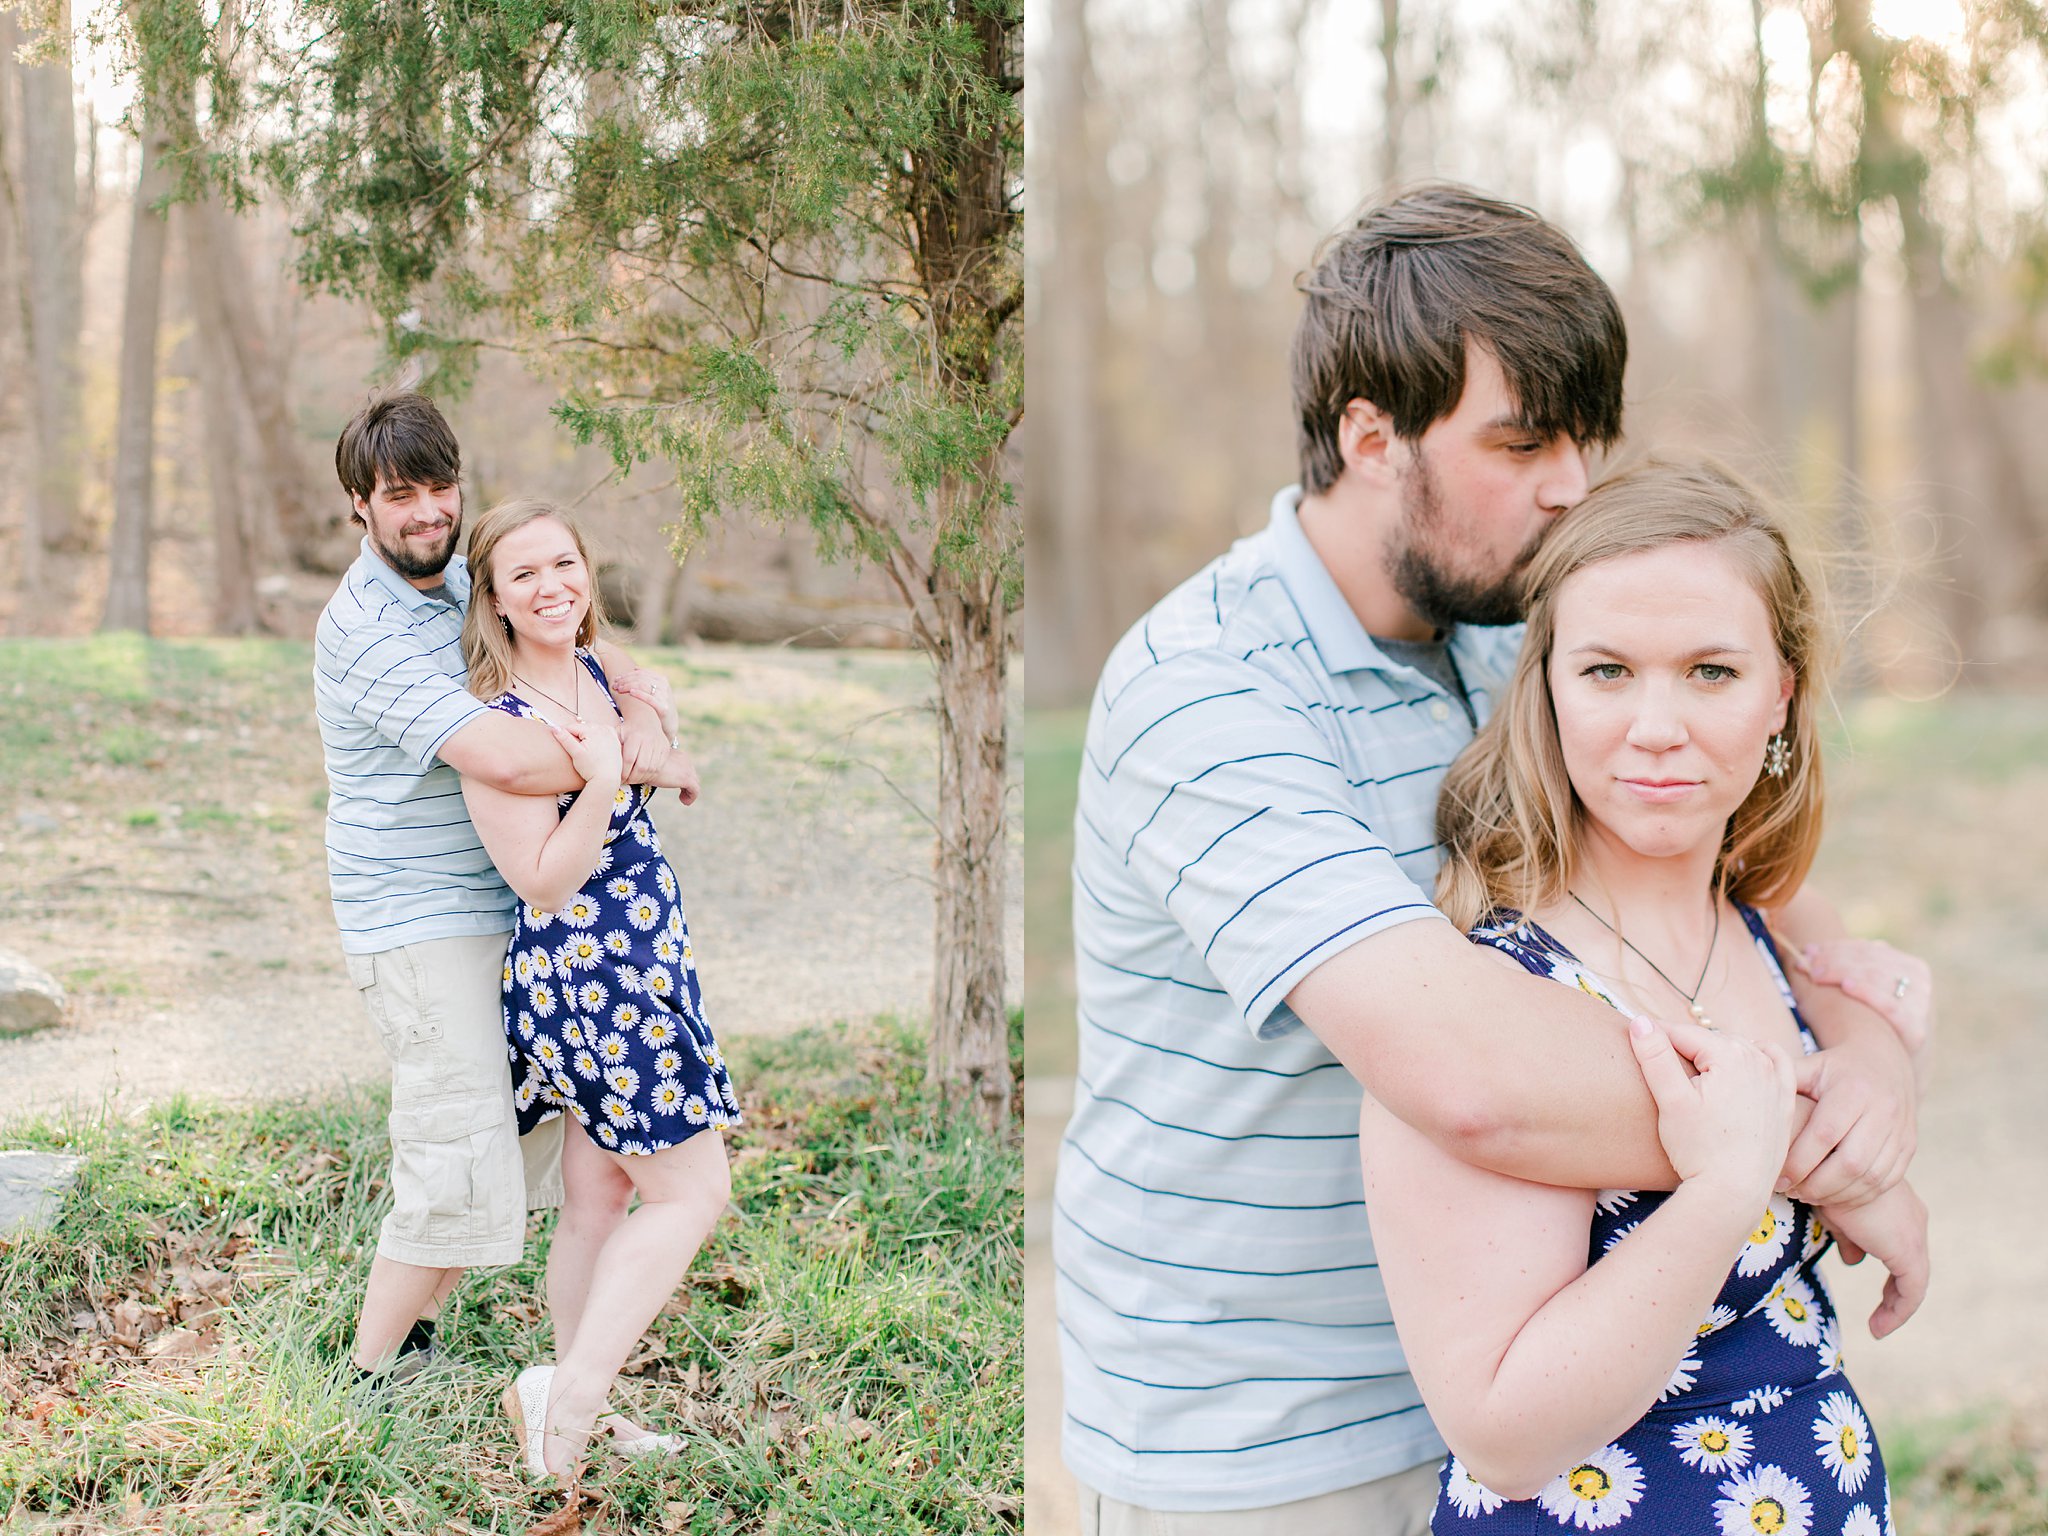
point(1758, 1432)
point(603, 1016)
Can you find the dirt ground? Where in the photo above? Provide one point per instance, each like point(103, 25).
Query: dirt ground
point(1936, 842)
point(160, 837)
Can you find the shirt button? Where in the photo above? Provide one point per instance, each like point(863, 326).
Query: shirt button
point(1439, 710)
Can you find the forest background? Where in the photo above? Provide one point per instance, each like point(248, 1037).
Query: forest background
point(1827, 223)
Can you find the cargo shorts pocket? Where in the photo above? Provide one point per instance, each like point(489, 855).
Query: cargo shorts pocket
point(446, 1176)
point(396, 996)
point(362, 975)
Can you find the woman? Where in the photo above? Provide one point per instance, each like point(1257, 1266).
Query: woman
point(602, 1012)
point(1651, 779)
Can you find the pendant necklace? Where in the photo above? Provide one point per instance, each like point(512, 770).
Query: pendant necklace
point(1691, 998)
point(576, 709)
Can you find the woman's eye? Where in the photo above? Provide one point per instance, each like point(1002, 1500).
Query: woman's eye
point(1714, 672)
point(1606, 671)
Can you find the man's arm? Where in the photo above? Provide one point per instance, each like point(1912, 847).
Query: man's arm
point(1499, 1068)
point(383, 676)
point(521, 757)
point(517, 756)
point(1862, 1136)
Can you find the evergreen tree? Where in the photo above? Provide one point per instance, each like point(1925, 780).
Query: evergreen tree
point(775, 244)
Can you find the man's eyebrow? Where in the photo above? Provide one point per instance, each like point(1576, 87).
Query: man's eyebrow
point(1506, 426)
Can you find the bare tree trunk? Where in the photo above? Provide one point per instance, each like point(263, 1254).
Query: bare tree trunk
point(970, 1025)
point(55, 244)
point(650, 603)
point(234, 578)
point(963, 215)
point(286, 486)
point(1393, 105)
point(1066, 622)
point(135, 420)
point(30, 558)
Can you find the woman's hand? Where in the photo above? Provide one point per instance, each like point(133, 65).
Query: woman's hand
point(1728, 1126)
point(651, 689)
point(594, 752)
point(1891, 983)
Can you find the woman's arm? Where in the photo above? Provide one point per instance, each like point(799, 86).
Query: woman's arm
point(1526, 1356)
point(546, 855)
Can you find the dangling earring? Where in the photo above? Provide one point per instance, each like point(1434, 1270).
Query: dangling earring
point(1777, 756)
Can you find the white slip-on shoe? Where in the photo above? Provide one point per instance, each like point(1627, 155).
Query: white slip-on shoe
point(526, 1404)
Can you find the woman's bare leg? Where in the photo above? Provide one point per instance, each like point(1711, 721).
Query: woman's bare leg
point(682, 1192)
point(595, 1198)
point(595, 1194)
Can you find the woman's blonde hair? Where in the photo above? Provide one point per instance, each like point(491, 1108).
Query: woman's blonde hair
point(486, 637)
point(1508, 820)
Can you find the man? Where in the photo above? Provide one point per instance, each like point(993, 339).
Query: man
point(1254, 848)
point(424, 916)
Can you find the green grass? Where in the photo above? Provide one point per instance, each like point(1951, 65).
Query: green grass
point(844, 1354)
point(1979, 1473)
point(1052, 770)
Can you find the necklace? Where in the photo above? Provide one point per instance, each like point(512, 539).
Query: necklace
point(1692, 997)
point(576, 679)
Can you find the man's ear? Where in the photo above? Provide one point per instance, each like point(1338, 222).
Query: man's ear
point(1365, 433)
point(359, 509)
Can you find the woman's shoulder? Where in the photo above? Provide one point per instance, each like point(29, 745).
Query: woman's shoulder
point(1506, 928)
point(1520, 938)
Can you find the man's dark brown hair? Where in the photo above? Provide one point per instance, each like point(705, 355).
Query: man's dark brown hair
point(1394, 300)
point(402, 436)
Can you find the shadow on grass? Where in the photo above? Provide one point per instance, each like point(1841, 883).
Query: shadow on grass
point(844, 1355)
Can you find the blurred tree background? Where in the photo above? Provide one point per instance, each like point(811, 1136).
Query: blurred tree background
point(1827, 223)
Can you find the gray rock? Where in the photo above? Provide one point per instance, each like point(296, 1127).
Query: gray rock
point(30, 999)
point(36, 823)
point(32, 1189)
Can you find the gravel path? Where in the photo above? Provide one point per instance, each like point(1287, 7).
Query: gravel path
point(182, 899)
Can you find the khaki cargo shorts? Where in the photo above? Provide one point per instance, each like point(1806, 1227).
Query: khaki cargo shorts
point(1400, 1505)
point(462, 1178)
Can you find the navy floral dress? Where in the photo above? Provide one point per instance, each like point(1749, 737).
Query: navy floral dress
point(603, 1016)
point(1758, 1432)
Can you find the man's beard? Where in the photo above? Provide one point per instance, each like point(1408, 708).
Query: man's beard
point(1416, 564)
point(414, 567)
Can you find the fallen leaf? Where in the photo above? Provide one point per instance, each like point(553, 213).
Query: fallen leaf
point(181, 1344)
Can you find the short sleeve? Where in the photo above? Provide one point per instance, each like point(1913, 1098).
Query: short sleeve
point(386, 679)
point(1230, 805)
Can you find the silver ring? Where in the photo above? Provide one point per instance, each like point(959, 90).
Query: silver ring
point(1901, 986)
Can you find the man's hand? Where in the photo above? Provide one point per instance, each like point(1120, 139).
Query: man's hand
point(1893, 1229)
point(643, 744)
point(653, 690)
point(1862, 1133)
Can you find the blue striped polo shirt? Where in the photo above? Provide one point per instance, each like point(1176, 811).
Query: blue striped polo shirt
point(1258, 793)
point(403, 861)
